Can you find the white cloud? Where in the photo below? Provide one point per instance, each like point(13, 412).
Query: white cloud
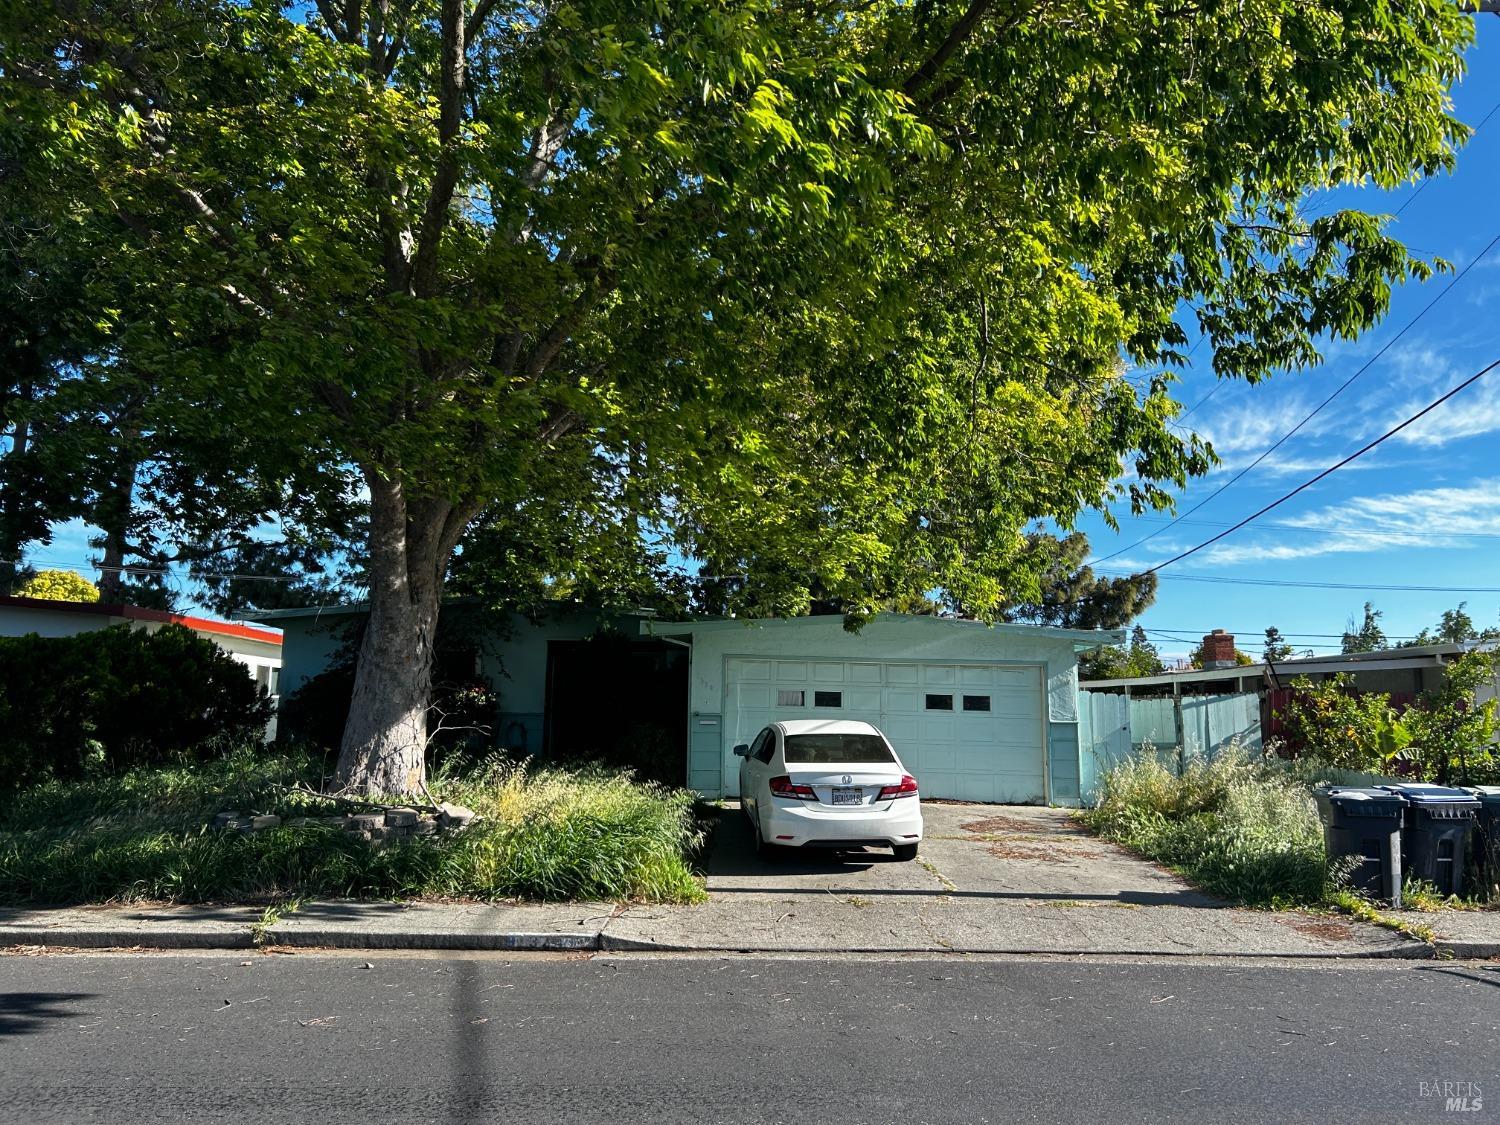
point(1470, 413)
point(1444, 518)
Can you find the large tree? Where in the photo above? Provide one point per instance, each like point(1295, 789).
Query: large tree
point(844, 289)
point(1367, 636)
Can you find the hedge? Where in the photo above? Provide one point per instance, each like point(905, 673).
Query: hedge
point(117, 698)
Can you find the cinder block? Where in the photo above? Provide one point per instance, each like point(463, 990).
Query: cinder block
point(400, 818)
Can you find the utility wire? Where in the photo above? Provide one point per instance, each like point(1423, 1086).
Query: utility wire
point(1340, 389)
point(1162, 629)
point(1423, 185)
point(1327, 528)
point(1313, 585)
point(1360, 452)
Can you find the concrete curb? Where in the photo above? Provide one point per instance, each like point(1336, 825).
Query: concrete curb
point(1409, 951)
point(1467, 950)
point(603, 942)
point(512, 942)
point(128, 939)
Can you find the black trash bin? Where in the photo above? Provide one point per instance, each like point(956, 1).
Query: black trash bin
point(1487, 837)
point(1365, 823)
point(1436, 836)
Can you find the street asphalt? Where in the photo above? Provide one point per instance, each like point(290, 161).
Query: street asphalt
point(297, 1037)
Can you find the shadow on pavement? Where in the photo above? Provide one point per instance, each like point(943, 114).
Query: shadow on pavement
point(732, 852)
point(23, 1012)
point(1485, 975)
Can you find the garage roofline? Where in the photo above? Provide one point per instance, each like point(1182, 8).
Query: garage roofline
point(1084, 640)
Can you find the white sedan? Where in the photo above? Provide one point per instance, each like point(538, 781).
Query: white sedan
point(809, 783)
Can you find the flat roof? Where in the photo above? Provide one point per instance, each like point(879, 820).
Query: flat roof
point(141, 613)
point(1418, 656)
point(1083, 639)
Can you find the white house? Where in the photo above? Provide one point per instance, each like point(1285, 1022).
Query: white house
point(977, 712)
point(985, 713)
point(256, 647)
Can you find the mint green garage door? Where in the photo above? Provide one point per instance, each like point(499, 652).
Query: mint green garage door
point(969, 732)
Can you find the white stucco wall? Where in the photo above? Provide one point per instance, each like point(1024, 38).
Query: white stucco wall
point(19, 621)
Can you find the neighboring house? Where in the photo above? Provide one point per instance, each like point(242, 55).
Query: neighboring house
point(987, 713)
point(1205, 707)
point(256, 647)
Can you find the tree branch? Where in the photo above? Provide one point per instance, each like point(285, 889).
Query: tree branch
point(957, 35)
point(445, 180)
point(475, 22)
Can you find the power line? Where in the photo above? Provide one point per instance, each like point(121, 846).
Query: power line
point(1340, 389)
point(1252, 632)
point(1423, 185)
point(1321, 585)
point(1329, 528)
point(1428, 409)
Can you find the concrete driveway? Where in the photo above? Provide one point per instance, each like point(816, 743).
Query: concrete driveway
point(988, 878)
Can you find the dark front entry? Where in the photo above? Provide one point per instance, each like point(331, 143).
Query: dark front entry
point(619, 701)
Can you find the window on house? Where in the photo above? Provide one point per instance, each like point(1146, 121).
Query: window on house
point(828, 699)
point(939, 703)
point(976, 703)
point(786, 697)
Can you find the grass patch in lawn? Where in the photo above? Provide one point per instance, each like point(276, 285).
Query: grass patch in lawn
point(1244, 830)
point(1237, 829)
point(549, 834)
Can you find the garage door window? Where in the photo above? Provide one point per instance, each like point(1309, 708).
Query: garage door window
point(828, 699)
point(976, 703)
point(786, 698)
point(939, 703)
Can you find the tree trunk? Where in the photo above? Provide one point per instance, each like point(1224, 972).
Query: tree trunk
point(112, 514)
point(12, 537)
point(385, 738)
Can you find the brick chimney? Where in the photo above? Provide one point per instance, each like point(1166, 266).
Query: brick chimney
point(1218, 650)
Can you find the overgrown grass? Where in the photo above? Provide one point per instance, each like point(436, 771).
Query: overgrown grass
point(1242, 830)
point(546, 834)
point(1246, 830)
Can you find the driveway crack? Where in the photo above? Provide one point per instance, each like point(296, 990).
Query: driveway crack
point(931, 868)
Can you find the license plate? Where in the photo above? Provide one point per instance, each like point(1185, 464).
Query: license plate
point(842, 796)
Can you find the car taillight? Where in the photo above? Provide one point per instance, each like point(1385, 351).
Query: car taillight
point(907, 788)
point(784, 787)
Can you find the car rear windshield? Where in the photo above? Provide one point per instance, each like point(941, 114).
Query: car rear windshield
point(836, 749)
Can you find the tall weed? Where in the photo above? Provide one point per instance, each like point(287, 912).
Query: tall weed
point(1237, 828)
point(144, 835)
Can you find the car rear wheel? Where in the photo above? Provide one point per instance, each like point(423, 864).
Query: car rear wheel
point(904, 851)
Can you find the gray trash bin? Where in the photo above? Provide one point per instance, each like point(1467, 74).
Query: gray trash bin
point(1487, 837)
point(1436, 837)
point(1364, 823)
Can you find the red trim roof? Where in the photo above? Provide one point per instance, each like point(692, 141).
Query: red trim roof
point(141, 613)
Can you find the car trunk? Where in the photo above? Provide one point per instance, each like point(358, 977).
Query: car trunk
point(846, 787)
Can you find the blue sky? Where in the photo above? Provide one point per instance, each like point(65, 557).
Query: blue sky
point(1422, 509)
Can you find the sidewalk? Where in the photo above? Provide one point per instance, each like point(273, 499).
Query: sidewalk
point(760, 923)
point(989, 879)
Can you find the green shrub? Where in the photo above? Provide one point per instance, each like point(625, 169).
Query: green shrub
point(143, 835)
point(117, 698)
point(1446, 735)
point(1335, 723)
point(1238, 829)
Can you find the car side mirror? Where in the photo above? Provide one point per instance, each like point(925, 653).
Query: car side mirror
point(742, 750)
